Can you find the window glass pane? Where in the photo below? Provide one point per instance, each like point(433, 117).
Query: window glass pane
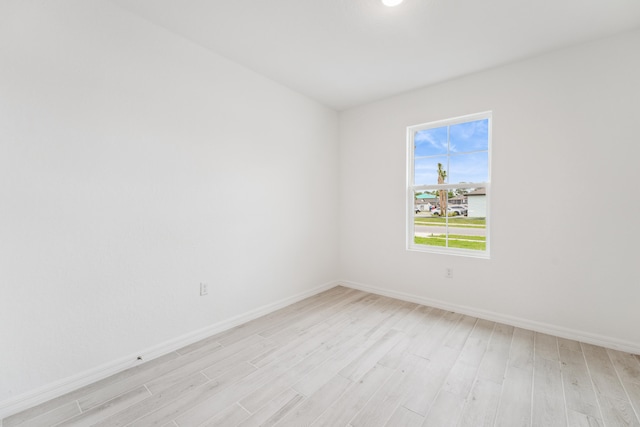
point(430, 230)
point(467, 233)
point(477, 203)
point(471, 167)
point(431, 142)
point(458, 229)
point(469, 136)
point(426, 169)
point(424, 201)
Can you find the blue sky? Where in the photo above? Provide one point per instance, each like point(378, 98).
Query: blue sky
point(467, 145)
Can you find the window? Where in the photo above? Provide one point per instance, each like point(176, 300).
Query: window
point(448, 176)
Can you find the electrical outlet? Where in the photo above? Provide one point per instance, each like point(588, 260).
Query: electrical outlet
point(448, 273)
point(204, 289)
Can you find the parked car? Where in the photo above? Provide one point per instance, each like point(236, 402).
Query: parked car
point(450, 212)
point(460, 209)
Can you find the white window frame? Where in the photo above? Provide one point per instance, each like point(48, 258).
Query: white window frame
point(412, 188)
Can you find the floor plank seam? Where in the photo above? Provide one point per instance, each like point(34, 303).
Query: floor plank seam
point(593, 384)
point(475, 379)
point(373, 394)
point(533, 377)
point(152, 394)
point(624, 387)
point(504, 377)
point(248, 411)
point(564, 392)
point(205, 375)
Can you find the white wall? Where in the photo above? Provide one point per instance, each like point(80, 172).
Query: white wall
point(565, 129)
point(133, 166)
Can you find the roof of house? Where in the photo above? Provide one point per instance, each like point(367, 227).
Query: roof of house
point(425, 196)
point(478, 192)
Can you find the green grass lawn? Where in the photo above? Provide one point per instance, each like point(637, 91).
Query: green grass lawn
point(477, 243)
point(455, 221)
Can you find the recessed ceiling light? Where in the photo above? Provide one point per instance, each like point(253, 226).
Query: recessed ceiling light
point(391, 3)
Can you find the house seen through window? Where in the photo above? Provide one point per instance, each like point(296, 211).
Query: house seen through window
point(448, 176)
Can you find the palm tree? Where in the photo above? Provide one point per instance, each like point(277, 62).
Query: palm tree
point(442, 175)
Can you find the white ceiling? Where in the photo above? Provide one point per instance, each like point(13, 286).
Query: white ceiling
point(348, 52)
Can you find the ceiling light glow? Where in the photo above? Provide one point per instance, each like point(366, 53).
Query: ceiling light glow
point(391, 3)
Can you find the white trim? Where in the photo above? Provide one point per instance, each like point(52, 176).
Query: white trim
point(50, 391)
point(559, 331)
point(451, 121)
point(450, 186)
point(468, 253)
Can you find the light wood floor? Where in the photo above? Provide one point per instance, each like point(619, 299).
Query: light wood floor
point(350, 358)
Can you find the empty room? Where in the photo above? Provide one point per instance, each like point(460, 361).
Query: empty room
point(319, 213)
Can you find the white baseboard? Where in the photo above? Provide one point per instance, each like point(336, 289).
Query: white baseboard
point(50, 391)
point(559, 331)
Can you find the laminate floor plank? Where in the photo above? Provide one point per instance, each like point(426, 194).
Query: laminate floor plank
point(481, 406)
point(445, 411)
point(212, 365)
point(412, 322)
point(514, 409)
point(516, 396)
point(458, 337)
point(430, 380)
point(522, 349)
point(371, 355)
point(388, 317)
point(610, 392)
point(496, 357)
point(288, 378)
point(275, 410)
point(603, 373)
point(350, 358)
point(312, 381)
point(204, 393)
point(110, 391)
point(154, 402)
point(257, 325)
point(253, 388)
point(627, 366)
point(354, 398)
point(548, 399)
point(567, 344)
point(21, 417)
point(628, 370)
point(578, 388)
point(279, 318)
point(319, 313)
point(427, 323)
point(56, 416)
point(386, 401)
point(98, 413)
point(546, 346)
point(633, 389)
point(577, 419)
point(402, 417)
point(303, 341)
point(231, 416)
point(317, 403)
point(354, 355)
point(464, 371)
point(477, 343)
point(434, 339)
